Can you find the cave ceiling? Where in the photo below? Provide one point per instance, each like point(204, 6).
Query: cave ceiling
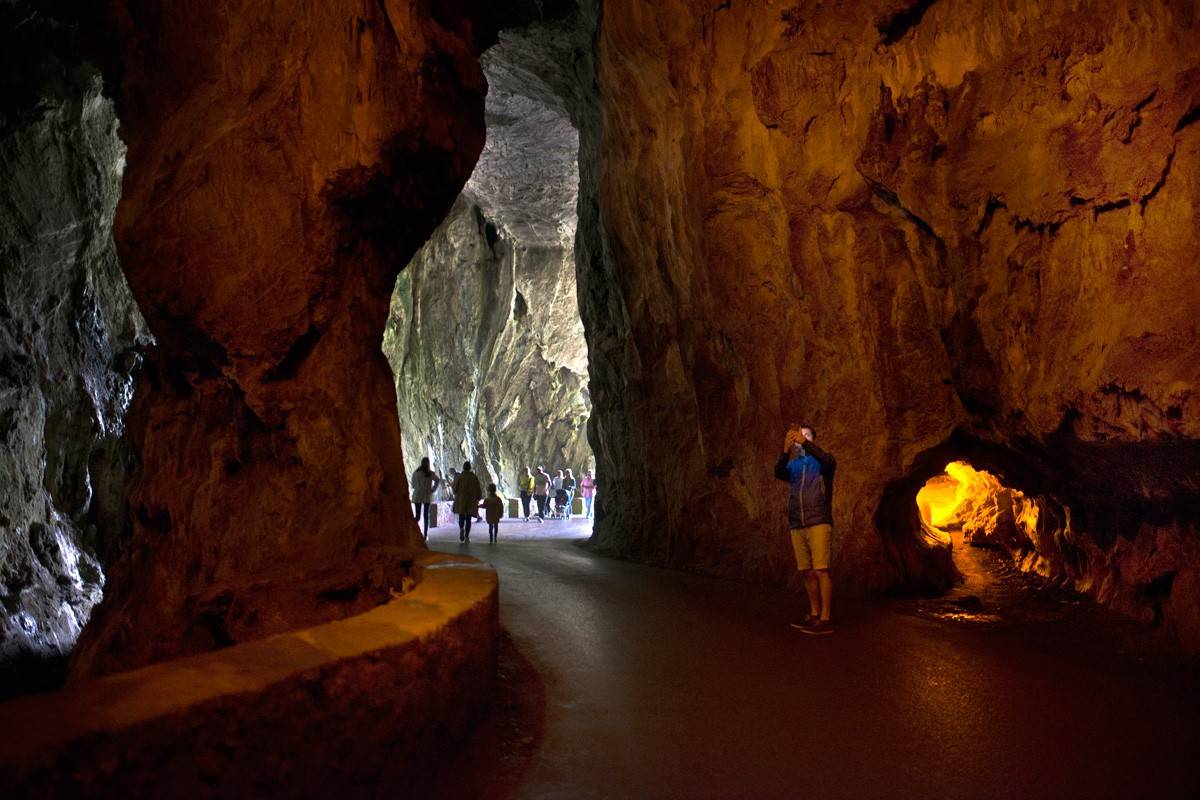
point(527, 178)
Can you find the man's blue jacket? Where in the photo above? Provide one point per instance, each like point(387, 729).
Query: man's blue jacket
point(810, 478)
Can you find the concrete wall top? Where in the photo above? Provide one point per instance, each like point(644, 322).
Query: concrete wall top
point(449, 587)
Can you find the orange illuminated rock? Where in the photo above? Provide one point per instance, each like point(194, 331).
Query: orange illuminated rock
point(985, 510)
point(971, 232)
point(285, 160)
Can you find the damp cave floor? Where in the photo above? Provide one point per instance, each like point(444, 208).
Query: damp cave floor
point(622, 680)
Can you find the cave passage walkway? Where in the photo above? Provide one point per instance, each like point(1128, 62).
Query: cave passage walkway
point(664, 684)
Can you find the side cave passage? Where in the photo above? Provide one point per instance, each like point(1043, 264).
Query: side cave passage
point(994, 533)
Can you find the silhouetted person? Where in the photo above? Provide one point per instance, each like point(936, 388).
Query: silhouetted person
point(467, 494)
point(493, 506)
point(587, 490)
point(809, 472)
point(424, 483)
point(569, 488)
point(541, 491)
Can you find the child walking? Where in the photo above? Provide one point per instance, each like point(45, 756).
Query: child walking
point(493, 507)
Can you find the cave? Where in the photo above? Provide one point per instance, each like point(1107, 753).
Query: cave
point(484, 333)
point(966, 509)
point(976, 505)
point(258, 261)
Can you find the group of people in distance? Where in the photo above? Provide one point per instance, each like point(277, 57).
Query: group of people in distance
point(806, 467)
point(469, 498)
point(561, 489)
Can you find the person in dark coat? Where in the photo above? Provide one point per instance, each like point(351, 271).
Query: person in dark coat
point(467, 494)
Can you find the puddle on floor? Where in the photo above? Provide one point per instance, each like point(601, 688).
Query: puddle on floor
point(993, 592)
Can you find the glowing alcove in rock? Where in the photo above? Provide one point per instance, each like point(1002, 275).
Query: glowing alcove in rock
point(975, 503)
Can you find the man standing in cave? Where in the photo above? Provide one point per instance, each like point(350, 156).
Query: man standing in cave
point(809, 471)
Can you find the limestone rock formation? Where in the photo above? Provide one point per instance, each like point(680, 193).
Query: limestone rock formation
point(935, 231)
point(485, 336)
point(284, 161)
point(477, 323)
point(69, 333)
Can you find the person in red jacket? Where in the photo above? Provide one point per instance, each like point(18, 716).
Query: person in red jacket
point(808, 471)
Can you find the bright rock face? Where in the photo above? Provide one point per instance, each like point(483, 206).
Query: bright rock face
point(986, 511)
point(284, 161)
point(933, 230)
point(484, 335)
point(69, 333)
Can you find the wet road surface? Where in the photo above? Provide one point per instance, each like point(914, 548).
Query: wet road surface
point(659, 684)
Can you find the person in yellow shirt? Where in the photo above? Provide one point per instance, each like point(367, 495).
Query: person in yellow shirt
point(525, 487)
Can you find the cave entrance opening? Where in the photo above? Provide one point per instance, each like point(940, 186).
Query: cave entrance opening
point(484, 334)
point(980, 519)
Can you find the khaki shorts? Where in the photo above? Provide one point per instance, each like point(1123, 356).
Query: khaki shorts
point(813, 546)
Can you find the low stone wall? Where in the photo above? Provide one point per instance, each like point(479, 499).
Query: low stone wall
point(349, 708)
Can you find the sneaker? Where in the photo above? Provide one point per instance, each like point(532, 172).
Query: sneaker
point(821, 627)
point(461, 536)
point(809, 620)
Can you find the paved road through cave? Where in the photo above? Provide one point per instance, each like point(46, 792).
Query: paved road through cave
point(665, 684)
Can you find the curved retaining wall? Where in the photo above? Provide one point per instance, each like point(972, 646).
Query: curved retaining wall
point(349, 708)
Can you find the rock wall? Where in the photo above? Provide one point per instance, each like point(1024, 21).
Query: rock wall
point(477, 327)
point(485, 336)
point(69, 333)
point(284, 161)
point(933, 230)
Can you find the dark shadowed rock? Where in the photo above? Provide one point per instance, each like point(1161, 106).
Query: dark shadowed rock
point(284, 162)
